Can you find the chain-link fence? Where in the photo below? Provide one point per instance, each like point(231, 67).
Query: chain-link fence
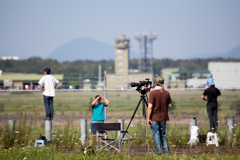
point(76, 104)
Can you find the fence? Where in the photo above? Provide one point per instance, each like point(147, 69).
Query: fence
point(75, 103)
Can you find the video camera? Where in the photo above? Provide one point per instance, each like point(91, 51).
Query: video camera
point(143, 86)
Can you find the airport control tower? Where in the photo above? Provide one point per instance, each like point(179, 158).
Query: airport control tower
point(121, 55)
point(122, 77)
point(145, 61)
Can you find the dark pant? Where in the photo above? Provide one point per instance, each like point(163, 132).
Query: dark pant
point(48, 103)
point(212, 115)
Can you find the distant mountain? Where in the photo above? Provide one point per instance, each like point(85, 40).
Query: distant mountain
point(234, 53)
point(204, 55)
point(86, 49)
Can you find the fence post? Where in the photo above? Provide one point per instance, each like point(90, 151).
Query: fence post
point(11, 127)
point(230, 127)
point(121, 121)
point(105, 94)
point(83, 126)
point(193, 122)
point(48, 129)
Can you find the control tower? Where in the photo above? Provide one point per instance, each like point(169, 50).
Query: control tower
point(145, 61)
point(121, 55)
point(122, 78)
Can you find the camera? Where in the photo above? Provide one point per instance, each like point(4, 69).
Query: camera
point(143, 86)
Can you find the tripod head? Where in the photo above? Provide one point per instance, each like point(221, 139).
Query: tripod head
point(143, 86)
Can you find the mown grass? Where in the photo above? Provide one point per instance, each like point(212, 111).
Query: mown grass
point(66, 143)
point(49, 153)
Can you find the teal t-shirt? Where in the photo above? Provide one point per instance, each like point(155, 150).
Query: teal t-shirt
point(98, 112)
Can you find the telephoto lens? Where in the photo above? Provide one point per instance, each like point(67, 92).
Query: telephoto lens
point(133, 84)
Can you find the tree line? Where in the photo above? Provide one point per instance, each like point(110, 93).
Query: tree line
point(89, 68)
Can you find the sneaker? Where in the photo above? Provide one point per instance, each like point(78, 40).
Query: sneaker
point(46, 118)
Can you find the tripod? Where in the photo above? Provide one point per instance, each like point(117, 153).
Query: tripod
point(143, 100)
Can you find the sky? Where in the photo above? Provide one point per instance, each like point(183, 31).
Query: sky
point(184, 28)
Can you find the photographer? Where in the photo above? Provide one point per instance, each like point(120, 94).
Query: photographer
point(212, 105)
point(159, 102)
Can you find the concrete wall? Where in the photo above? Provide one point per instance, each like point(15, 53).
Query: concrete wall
point(178, 84)
point(123, 82)
point(225, 74)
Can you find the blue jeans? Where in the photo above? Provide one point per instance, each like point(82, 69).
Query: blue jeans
point(158, 130)
point(48, 103)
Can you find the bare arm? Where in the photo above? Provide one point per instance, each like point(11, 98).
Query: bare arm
point(41, 87)
point(106, 100)
point(55, 85)
point(95, 100)
point(149, 114)
point(169, 105)
point(203, 98)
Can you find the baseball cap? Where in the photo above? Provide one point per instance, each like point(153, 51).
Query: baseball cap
point(47, 69)
point(210, 81)
point(159, 80)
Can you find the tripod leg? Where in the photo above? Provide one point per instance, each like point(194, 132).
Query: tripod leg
point(145, 102)
point(132, 117)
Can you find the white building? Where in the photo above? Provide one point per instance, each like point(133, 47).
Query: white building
point(225, 74)
point(196, 82)
point(16, 58)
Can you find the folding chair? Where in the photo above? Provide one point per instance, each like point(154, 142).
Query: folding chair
point(110, 143)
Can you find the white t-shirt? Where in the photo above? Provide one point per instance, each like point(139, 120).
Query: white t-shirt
point(48, 82)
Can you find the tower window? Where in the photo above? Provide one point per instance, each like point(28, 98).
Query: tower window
point(119, 69)
point(119, 50)
point(120, 63)
point(119, 56)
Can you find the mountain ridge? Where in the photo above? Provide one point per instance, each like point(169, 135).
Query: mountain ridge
point(86, 49)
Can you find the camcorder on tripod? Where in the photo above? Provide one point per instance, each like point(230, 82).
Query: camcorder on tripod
point(143, 87)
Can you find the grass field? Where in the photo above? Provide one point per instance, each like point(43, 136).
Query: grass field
point(72, 106)
point(186, 104)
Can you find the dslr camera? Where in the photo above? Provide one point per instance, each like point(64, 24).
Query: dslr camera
point(143, 86)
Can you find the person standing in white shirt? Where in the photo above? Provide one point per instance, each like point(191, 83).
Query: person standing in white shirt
point(48, 84)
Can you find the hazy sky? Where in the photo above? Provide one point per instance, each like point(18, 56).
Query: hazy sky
point(184, 27)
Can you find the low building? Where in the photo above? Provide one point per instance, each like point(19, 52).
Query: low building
point(16, 58)
point(166, 73)
point(178, 84)
point(189, 79)
point(196, 82)
point(225, 74)
point(20, 81)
